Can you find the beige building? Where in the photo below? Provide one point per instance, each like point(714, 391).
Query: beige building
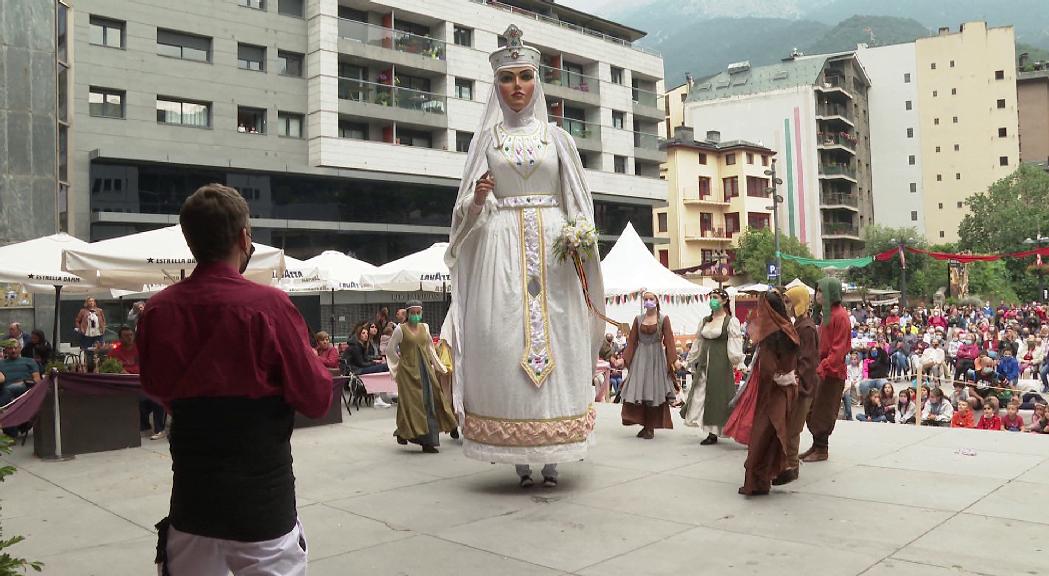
point(674, 106)
point(1032, 95)
point(967, 98)
point(715, 191)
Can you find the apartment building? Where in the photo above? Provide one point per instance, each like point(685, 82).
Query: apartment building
point(968, 119)
point(811, 110)
point(343, 122)
point(715, 190)
point(1032, 97)
point(674, 106)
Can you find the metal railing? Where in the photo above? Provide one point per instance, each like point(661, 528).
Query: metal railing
point(839, 199)
point(386, 95)
point(831, 139)
point(393, 39)
point(834, 110)
point(565, 25)
point(570, 79)
point(840, 228)
point(579, 128)
point(646, 141)
point(836, 169)
point(644, 97)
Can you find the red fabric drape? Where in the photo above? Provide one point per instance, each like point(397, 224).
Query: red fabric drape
point(966, 258)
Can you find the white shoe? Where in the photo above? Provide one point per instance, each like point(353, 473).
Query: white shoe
point(159, 435)
point(380, 404)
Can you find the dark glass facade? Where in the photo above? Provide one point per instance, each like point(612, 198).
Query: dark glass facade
point(161, 189)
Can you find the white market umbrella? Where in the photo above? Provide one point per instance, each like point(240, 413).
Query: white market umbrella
point(798, 282)
point(300, 276)
point(341, 271)
point(158, 256)
point(424, 270)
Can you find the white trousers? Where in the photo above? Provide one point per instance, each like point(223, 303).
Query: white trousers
point(191, 555)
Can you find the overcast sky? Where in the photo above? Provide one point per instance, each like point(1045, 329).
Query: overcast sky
point(598, 7)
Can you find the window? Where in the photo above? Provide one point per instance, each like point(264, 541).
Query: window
point(960, 203)
point(908, 105)
point(936, 121)
point(462, 140)
point(914, 215)
point(618, 118)
point(911, 160)
point(106, 103)
point(661, 224)
point(731, 187)
point(756, 187)
point(703, 158)
point(910, 132)
point(764, 160)
point(999, 74)
point(704, 187)
point(463, 36)
point(940, 206)
point(416, 138)
point(732, 223)
point(955, 120)
point(957, 147)
point(183, 112)
point(106, 32)
point(256, 4)
point(914, 187)
point(251, 120)
point(290, 7)
point(1003, 132)
point(935, 93)
point(954, 91)
point(411, 27)
point(1001, 104)
point(933, 66)
point(251, 57)
point(941, 233)
point(413, 82)
point(937, 149)
point(730, 159)
point(750, 157)
point(1003, 160)
point(347, 13)
point(619, 164)
point(952, 63)
point(617, 75)
point(183, 46)
point(289, 63)
point(354, 130)
point(939, 177)
point(907, 78)
point(289, 124)
point(757, 220)
point(464, 88)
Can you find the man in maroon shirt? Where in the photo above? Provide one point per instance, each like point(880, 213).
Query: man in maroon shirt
point(232, 406)
point(835, 341)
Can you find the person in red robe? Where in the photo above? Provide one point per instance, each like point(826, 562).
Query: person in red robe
point(774, 388)
point(835, 344)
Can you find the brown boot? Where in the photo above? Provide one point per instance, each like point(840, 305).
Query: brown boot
point(817, 455)
point(786, 477)
point(806, 453)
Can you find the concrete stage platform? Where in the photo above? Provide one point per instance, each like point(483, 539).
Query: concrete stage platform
point(893, 500)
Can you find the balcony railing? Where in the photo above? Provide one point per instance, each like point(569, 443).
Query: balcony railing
point(386, 95)
point(565, 25)
point(646, 141)
point(393, 39)
point(836, 139)
point(645, 98)
point(579, 128)
point(714, 233)
point(840, 229)
point(837, 170)
point(834, 110)
point(570, 79)
point(839, 199)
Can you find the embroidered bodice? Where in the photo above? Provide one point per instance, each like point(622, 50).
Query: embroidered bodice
point(523, 164)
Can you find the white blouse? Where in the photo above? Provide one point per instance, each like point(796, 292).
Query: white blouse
point(712, 330)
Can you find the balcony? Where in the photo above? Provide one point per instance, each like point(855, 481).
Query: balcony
point(841, 230)
point(570, 85)
point(829, 111)
point(839, 200)
point(386, 45)
point(393, 103)
point(708, 199)
point(836, 141)
point(710, 235)
point(646, 147)
point(587, 135)
point(646, 103)
point(836, 171)
point(834, 84)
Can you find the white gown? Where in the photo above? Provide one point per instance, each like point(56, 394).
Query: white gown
point(526, 344)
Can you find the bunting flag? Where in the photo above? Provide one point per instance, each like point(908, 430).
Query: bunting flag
point(967, 258)
point(838, 264)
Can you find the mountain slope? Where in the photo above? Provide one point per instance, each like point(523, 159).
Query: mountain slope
point(870, 30)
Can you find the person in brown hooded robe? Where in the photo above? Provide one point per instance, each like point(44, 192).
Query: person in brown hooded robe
point(773, 374)
point(798, 300)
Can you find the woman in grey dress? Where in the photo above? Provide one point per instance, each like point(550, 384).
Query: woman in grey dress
point(649, 356)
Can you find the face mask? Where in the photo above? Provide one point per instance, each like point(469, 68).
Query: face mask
point(715, 305)
point(415, 318)
point(244, 266)
point(650, 304)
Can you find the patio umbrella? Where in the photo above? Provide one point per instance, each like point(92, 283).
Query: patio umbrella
point(424, 270)
point(158, 256)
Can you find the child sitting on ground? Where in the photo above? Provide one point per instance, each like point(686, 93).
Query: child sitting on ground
point(960, 394)
point(937, 411)
point(1012, 421)
point(905, 407)
point(1039, 424)
point(963, 418)
point(872, 408)
point(990, 419)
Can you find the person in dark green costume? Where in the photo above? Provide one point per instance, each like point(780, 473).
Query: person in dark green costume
point(422, 412)
point(716, 350)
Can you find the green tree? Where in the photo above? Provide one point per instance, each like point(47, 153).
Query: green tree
point(990, 281)
point(757, 247)
point(999, 220)
point(924, 274)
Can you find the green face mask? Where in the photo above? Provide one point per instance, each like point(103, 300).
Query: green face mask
point(715, 305)
point(415, 318)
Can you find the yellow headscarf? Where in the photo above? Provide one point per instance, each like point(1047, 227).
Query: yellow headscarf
point(800, 299)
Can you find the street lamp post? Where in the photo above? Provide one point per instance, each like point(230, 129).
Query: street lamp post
point(776, 199)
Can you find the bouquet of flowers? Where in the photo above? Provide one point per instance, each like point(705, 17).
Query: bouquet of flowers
point(578, 241)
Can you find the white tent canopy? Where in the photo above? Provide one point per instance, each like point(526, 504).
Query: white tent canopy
point(300, 276)
point(155, 257)
point(630, 266)
point(425, 271)
point(37, 264)
point(798, 282)
point(339, 270)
